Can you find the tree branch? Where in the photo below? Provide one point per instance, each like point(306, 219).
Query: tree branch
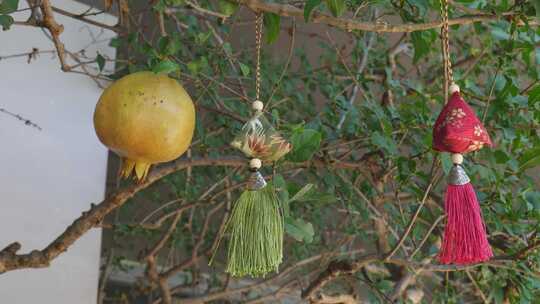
point(348, 24)
point(82, 18)
point(339, 299)
point(340, 268)
point(55, 29)
point(10, 260)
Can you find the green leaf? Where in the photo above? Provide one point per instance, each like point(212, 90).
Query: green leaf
point(317, 197)
point(115, 42)
point(309, 7)
point(196, 66)
point(160, 6)
point(383, 142)
point(244, 68)
point(193, 67)
point(446, 162)
point(533, 198)
point(299, 229)
point(534, 95)
point(501, 157)
point(281, 188)
point(227, 48)
point(537, 9)
point(500, 34)
point(227, 7)
point(203, 37)
point(497, 293)
point(336, 7)
point(529, 159)
point(149, 50)
point(6, 21)
point(305, 143)
point(421, 5)
point(301, 193)
point(165, 66)
point(8, 6)
point(169, 45)
point(421, 45)
point(272, 26)
point(100, 61)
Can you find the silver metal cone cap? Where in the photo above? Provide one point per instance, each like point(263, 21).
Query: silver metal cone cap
point(256, 181)
point(458, 176)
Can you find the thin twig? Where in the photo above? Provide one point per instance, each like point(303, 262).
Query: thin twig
point(492, 88)
point(287, 63)
point(27, 122)
point(424, 240)
point(361, 66)
point(413, 219)
point(480, 292)
point(82, 18)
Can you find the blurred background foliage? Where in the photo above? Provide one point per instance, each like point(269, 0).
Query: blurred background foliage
point(387, 127)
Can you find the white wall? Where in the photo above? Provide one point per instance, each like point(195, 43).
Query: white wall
point(48, 177)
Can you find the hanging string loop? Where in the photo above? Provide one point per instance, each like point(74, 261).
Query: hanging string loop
point(445, 46)
point(258, 104)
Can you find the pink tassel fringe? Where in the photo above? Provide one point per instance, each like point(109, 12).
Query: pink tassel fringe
point(465, 240)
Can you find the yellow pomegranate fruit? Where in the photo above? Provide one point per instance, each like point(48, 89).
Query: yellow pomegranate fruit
point(145, 118)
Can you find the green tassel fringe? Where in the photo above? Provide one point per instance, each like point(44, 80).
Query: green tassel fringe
point(256, 228)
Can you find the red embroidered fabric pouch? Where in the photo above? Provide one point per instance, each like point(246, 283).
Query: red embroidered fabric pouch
point(457, 129)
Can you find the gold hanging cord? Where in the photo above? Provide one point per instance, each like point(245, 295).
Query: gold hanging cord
point(258, 43)
point(445, 46)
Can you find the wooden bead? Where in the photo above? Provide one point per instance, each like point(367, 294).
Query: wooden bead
point(255, 163)
point(257, 105)
point(453, 88)
point(457, 158)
